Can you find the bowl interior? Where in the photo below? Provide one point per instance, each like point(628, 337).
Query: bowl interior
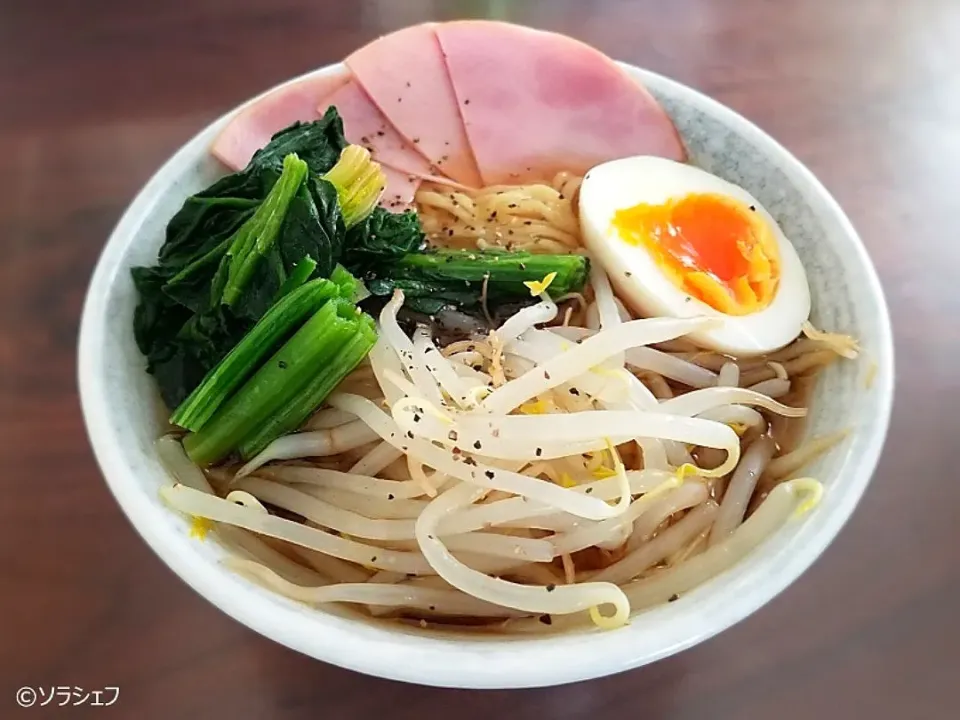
point(123, 415)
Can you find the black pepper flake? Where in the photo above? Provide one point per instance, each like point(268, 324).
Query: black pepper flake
point(574, 391)
point(467, 101)
point(373, 559)
point(512, 205)
point(477, 445)
point(432, 607)
point(588, 490)
point(561, 196)
point(380, 133)
point(450, 232)
point(551, 587)
point(546, 375)
point(410, 434)
point(753, 207)
point(509, 231)
point(452, 435)
point(546, 619)
point(431, 537)
point(539, 452)
point(416, 418)
point(390, 496)
point(675, 597)
point(469, 461)
point(416, 141)
point(528, 222)
point(408, 83)
point(628, 273)
point(489, 474)
point(399, 99)
point(282, 364)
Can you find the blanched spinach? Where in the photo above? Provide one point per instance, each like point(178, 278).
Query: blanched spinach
point(235, 248)
point(462, 280)
point(180, 323)
point(380, 240)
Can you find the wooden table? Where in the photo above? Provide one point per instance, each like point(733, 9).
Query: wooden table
point(95, 95)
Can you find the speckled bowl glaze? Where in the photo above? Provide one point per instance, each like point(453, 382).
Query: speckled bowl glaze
point(122, 414)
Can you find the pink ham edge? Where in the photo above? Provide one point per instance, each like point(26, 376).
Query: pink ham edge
point(364, 124)
point(535, 103)
point(253, 126)
point(400, 189)
point(405, 75)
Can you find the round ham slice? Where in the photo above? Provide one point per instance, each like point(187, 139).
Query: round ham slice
point(534, 103)
point(256, 122)
point(405, 76)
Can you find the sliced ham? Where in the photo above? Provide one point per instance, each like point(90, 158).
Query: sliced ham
point(364, 124)
point(400, 189)
point(534, 103)
point(405, 75)
point(253, 126)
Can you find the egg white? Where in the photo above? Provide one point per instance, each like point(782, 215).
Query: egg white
point(642, 285)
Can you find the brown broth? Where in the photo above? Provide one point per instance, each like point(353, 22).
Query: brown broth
point(788, 432)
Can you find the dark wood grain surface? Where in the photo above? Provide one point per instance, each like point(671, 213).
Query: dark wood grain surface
point(95, 95)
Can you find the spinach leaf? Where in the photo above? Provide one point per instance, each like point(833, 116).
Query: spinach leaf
point(381, 239)
point(318, 143)
point(314, 227)
point(179, 324)
point(432, 280)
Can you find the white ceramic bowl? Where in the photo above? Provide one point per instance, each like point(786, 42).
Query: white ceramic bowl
point(122, 413)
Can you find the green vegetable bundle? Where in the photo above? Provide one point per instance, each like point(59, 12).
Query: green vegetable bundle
point(248, 319)
point(283, 390)
point(464, 279)
point(235, 248)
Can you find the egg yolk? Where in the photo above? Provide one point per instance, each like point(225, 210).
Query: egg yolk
point(712, 247)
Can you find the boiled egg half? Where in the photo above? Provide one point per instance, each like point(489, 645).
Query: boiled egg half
point(678, 241)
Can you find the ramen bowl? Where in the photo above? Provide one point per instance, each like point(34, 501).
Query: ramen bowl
point(124, 417)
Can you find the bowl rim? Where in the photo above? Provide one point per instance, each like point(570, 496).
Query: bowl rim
point(427, 659)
